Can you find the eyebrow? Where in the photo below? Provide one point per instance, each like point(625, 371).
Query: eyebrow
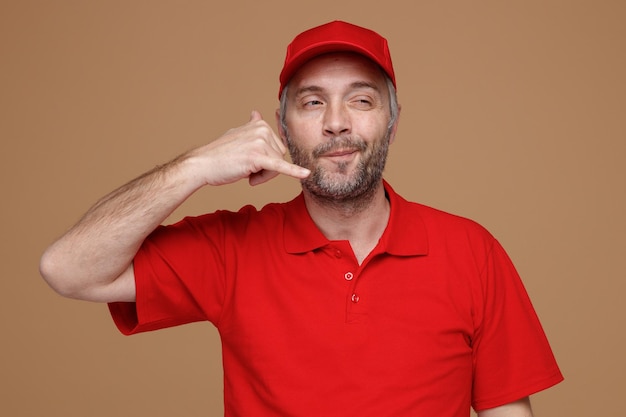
point(355, 85)
point(365, 84)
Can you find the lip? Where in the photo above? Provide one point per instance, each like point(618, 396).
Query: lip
point(339, 153)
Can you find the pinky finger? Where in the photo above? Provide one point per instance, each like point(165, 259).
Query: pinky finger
point(261, 177)
point(278, 166)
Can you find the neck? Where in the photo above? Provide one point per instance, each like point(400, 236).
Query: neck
point(361, 221)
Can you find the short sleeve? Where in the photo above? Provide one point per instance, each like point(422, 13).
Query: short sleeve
point(178, 276)
point(512, 358)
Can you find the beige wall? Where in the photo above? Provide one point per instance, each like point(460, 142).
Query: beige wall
point(513, 115)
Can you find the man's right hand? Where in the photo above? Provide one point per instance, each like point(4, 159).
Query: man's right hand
point(252, 151)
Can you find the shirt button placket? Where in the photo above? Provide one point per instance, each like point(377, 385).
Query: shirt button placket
point(349, 276)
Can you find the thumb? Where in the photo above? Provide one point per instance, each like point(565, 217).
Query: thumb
point(255, 116)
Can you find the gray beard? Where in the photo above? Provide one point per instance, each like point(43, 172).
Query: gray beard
point(339, 189)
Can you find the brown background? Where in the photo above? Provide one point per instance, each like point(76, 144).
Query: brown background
point(513, 115)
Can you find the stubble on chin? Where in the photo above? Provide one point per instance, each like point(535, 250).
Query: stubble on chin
point(340, 185)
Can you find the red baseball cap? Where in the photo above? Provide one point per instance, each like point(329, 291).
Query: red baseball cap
point(335, 36)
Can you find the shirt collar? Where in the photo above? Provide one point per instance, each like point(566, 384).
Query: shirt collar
point(405, 234)
point(300, 232)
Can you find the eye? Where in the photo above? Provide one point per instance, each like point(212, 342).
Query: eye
point(312, 103)
point(363, 102)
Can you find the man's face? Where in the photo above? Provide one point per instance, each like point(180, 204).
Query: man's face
point(337, 119)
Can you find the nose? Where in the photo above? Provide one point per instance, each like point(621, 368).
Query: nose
point(336, 120)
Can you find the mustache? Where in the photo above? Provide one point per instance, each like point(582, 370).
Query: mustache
point(339, 143)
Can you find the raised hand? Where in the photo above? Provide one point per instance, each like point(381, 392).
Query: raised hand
point(252, 151)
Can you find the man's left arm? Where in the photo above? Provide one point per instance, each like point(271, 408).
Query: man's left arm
point(519, 408)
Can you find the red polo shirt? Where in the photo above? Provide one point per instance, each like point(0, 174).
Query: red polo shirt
point(434, 320)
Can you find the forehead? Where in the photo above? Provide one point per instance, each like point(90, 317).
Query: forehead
point(335, 70)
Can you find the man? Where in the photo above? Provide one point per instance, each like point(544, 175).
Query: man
point(347, 300)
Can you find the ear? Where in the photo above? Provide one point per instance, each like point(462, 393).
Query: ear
point(279, 126)
point(394, 128)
